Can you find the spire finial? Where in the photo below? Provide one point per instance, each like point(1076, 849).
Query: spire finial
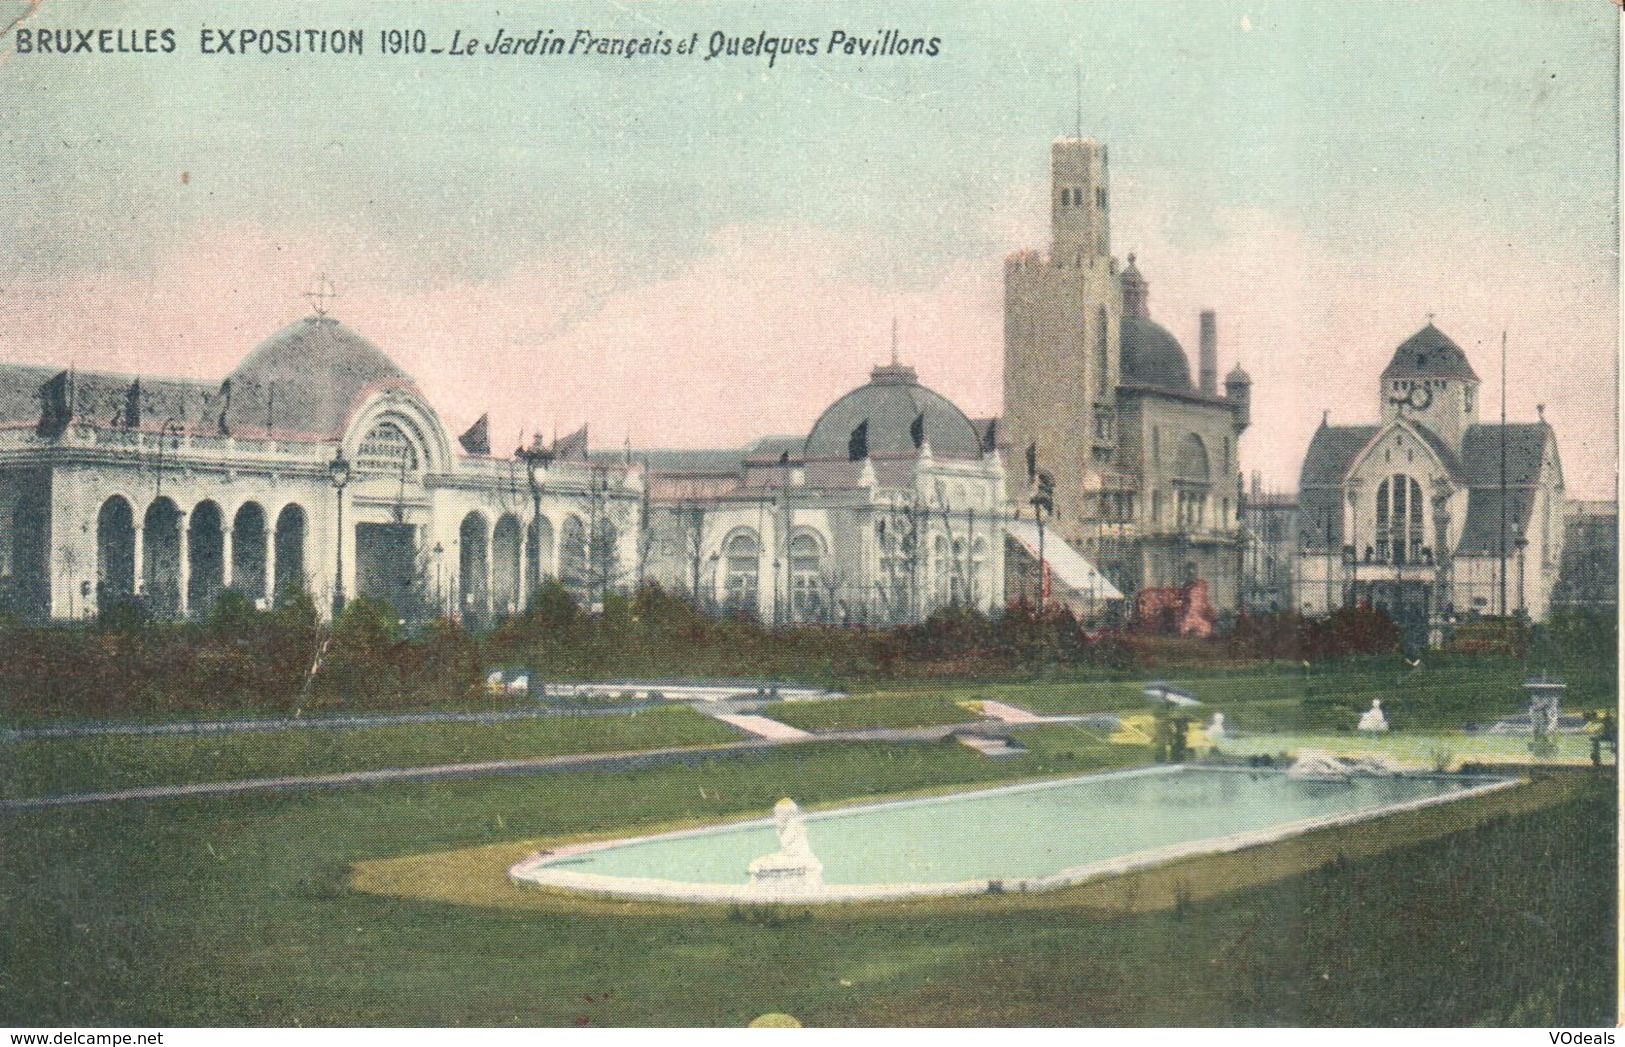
point(1077, 83)
point(1430, 318)
point(323, 293)
point(894, 341)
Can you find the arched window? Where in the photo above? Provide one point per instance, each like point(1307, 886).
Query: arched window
point(959, 582)
point(605, 565)
point(806, 569)
point(979, 578)
point(941, 566)
point(1399, 519)
point(387, 449)
point(894, 578)
point(1191, 464)
point(742, 563)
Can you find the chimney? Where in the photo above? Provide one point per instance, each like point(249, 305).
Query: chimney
point(1209, 343)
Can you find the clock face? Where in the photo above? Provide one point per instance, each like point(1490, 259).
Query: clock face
point(1417, 398)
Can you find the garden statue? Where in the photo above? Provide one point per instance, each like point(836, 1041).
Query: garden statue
point(1373, 720)
point(794, 864)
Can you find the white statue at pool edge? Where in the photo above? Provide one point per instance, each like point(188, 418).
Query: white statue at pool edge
point(794, 864)
point(1373, 719)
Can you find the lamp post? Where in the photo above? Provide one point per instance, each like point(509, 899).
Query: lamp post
point(1520, 543)
point(1354, 546)
point(339, 471)
point(172, 430)
point(439, 588)
point(536, 463)
point(1043, 503)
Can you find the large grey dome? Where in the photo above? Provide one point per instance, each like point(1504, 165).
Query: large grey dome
point(1429, 353)
point(1153, 357)
point(307, 378)
point(891, 403)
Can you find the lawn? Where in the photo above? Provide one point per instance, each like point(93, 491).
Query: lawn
point(846, 714)
point(1442, 691)
point(237, 911)
point(42, 767)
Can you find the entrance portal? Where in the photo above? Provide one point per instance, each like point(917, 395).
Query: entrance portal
point(386, 566)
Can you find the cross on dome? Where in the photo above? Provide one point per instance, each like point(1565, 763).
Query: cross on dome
point(323, 293)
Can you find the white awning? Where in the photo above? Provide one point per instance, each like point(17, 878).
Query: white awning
point(1065, 565)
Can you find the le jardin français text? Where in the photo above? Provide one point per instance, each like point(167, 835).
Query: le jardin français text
point(768, 47)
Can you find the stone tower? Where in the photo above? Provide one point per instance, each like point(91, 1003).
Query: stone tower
point(1062, 317)
point(1429, 382)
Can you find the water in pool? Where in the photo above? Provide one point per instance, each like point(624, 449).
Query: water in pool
point(1014, 833)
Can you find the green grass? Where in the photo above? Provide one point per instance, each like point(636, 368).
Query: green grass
point(42, 767)
point(235, 911)
point(930, 709)
point(1445, 691)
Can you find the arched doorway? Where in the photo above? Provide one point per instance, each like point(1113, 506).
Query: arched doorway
point(573, 558)
point(290, 550)
point(473, 597)
point(161, 558)
point(248, 551)
point(507, 563)
point(115, 552)
point(604, 570)
point(541, 549)
point(205, 549)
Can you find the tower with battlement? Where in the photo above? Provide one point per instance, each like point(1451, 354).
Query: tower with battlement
point(1143, 462)
point(1062, 315)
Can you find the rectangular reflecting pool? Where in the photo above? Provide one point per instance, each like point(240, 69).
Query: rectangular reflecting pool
point(1021, 837)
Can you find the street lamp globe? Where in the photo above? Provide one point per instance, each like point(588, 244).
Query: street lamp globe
point(339, 470)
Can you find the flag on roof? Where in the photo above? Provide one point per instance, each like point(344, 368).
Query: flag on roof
point(572, 446)
point(478, 438)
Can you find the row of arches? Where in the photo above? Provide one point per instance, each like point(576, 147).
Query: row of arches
point(500, 565)
point(948, 570)
point(178, 560)
point(811, 589)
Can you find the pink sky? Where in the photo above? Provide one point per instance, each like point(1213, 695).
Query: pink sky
point(757, 336)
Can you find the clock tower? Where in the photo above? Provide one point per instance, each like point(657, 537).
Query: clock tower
point(1430, 383)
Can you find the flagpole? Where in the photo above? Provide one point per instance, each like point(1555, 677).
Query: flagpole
point(1502, 581)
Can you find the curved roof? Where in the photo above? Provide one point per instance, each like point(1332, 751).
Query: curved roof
point(1429, 353)
point(307, 378)
point(1152, 356)
point(890, 403)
